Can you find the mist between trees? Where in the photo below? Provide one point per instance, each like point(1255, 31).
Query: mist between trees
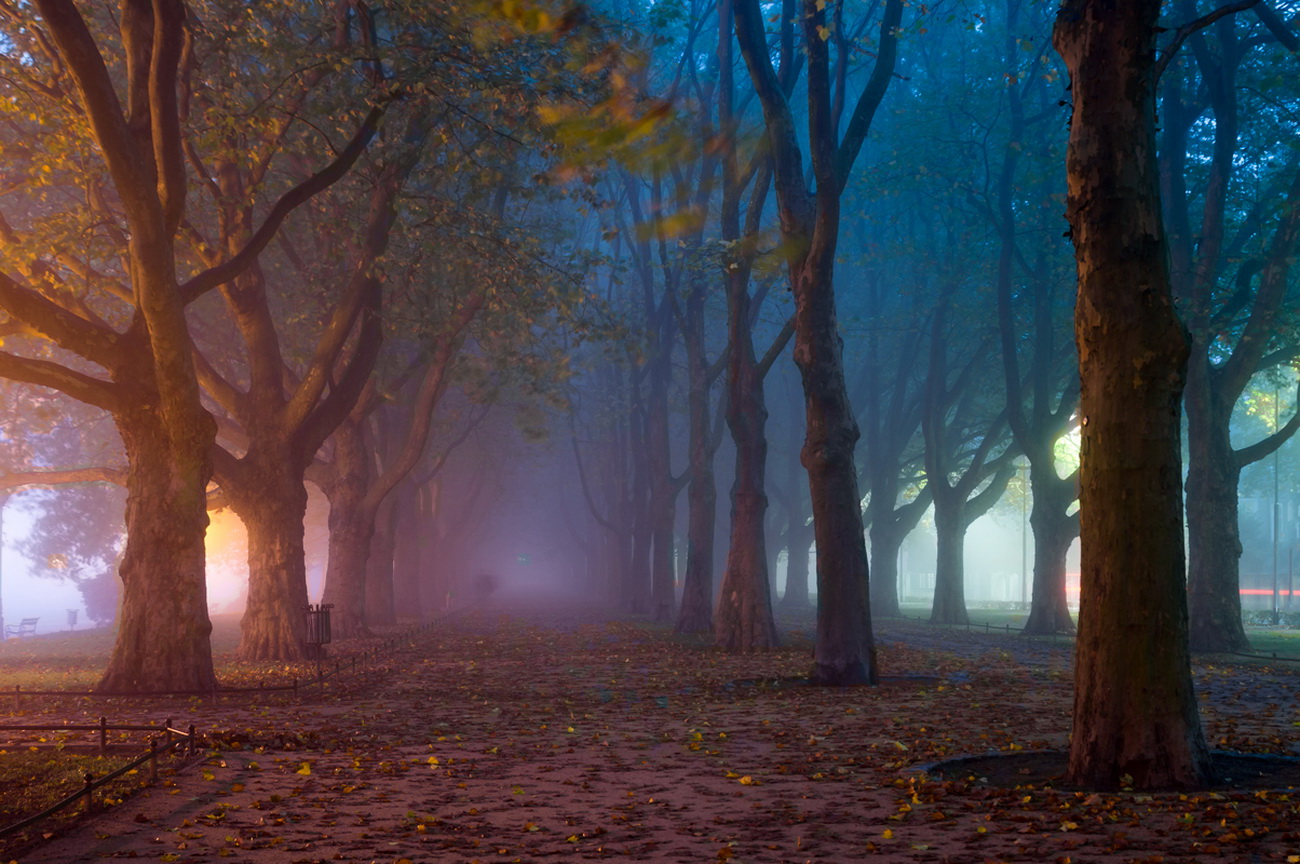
point(445, 301)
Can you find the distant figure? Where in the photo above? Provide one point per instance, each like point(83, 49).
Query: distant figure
point(484, 585)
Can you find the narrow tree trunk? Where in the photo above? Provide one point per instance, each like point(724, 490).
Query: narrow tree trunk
point(799, 539)
point(744, 619)
point(163, 627)
point(949, 604)
point(845, 652)
point(350, 532)
point(408, 586)
point(1135, 714)
point(695, 615)
point(379, 566)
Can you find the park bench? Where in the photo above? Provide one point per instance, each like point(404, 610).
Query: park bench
point(26, 627)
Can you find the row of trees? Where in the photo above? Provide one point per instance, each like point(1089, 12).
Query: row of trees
point(401, 219)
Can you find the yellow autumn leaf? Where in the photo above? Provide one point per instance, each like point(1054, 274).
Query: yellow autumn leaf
point(823, 33)
point(747, 781)
point(1069, 826)
point(888, 835)
point(305, 770)
point(433, 761)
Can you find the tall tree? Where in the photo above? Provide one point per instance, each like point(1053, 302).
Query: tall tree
point(134, 343)
point(1235, 318)
point(1135, 714)
point(810, 221)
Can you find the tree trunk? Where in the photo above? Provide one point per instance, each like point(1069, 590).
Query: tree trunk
point(163, 631)
point(350, 532)
point(695, 615)
point(1054, 530)
point(408, 584)
point(949, 605)
point(1213, 474)
point(845, 652)
point(1135, 714)
point(744, 619)
point(799, 538)
point(886, 540)
point(663, 494)
point(379, 566)
point(272, 502)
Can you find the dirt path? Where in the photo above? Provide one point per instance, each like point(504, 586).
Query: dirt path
point(505, 740)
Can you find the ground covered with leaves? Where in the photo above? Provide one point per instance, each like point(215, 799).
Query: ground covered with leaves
point(561, 735)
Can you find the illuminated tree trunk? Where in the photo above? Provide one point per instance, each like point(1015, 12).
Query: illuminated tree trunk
point(1054, 531)
point(272, 503)
point(163, 627)
point(1135, 714)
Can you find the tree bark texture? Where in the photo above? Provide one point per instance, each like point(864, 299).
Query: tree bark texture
point(163, 626)
point(949, 604)
point(744, 621)
point(272, 502)
point(1135, 713)
point(1054, 531)
point(350, 532)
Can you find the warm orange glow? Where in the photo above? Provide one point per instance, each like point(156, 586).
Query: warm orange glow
point(227, 548)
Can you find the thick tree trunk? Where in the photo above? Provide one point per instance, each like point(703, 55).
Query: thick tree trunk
point(272, 502)
point(1054, 530)
point(163, 628)
point(949, 605)
point(379, 566)
point(1135, 714)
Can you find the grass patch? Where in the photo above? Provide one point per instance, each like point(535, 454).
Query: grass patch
point(75, 660)
point(37, 778)
point(1283, 643)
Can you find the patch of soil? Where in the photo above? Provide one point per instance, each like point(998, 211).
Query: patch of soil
point(1047, 768)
